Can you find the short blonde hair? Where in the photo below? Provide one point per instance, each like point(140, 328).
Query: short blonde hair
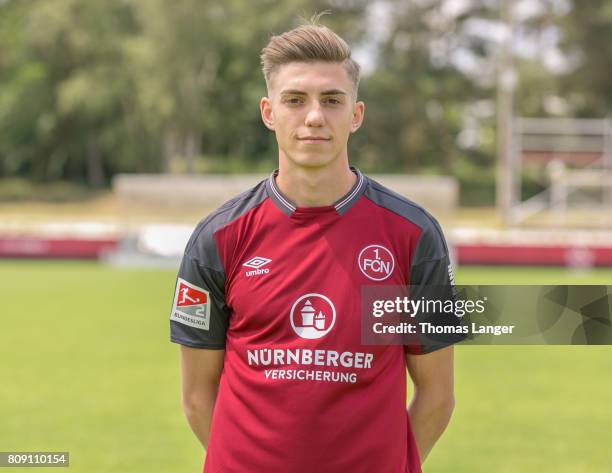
point(308, 43)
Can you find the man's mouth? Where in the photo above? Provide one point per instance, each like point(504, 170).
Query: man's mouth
point(313, 139)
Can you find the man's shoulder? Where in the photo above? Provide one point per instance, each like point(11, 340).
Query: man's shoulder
point(227, 213)
point(400, 205)
point(431, 242)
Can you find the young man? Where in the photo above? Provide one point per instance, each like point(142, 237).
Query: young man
point(267, 303)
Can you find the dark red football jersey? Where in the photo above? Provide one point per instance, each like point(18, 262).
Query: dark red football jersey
point(278, 287)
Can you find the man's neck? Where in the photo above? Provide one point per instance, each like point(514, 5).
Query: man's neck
point(315, 187)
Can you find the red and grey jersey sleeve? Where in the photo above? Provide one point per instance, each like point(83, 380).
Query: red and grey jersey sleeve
point(431, 278)
point(200, 316)
point(200, 313)
point(431, 263)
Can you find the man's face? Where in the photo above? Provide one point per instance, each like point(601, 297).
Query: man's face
point(312, 110)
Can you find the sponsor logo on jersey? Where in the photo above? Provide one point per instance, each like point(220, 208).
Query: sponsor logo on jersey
point(312, 316)
point(376, 262)
point(256, 263)
point(191, 305)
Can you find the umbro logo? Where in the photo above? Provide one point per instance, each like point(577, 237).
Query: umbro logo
point(256, 263)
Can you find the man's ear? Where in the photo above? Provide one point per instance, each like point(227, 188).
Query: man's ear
point(358, 113)
point(265, 107)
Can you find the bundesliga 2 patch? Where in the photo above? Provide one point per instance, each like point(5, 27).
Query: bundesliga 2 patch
point(191, 305)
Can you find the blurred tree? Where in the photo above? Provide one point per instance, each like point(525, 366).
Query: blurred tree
point(70, 68)
point(539, 60)
point(587, 41)
point(25, 93)
point(415, 94)
point(89, 89)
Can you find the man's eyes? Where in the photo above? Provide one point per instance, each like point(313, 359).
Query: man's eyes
point(300, 100)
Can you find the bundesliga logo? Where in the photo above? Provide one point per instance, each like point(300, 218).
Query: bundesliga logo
point(312, 316)
point(191, 305)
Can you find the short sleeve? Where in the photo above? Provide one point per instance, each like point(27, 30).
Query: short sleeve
point(431, 278)
point(199, 317)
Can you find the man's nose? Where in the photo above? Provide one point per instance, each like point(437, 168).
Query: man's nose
point(315, 117)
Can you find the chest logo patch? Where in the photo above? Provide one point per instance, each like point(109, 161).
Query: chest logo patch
point(312, 316)
point(376, 262)
point(191, 305)
point(257, 264)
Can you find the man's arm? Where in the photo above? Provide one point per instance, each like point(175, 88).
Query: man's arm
point(433, 401)
point(200, 373)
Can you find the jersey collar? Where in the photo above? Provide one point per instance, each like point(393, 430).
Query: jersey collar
point(341, 205)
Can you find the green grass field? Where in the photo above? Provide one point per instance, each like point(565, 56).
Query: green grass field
point(87, 368)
